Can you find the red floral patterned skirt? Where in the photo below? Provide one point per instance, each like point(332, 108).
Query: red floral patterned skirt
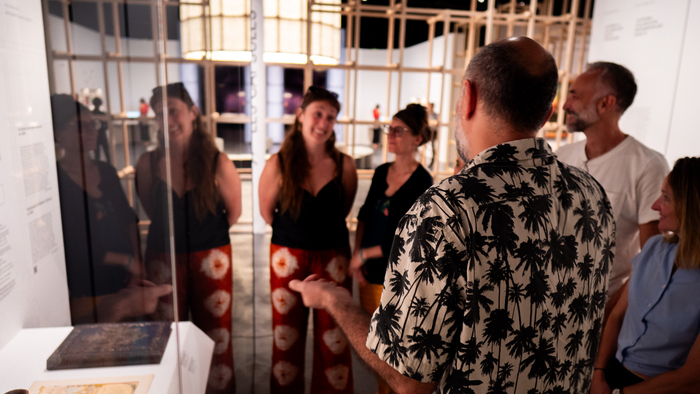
point(332, 363)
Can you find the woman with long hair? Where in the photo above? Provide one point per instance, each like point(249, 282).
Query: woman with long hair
point(106, 281)
point(651, 342)
point(206, 201)
point(306, 191)
point(395, 187)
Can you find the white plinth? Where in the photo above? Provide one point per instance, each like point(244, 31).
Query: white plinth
point(23, 361)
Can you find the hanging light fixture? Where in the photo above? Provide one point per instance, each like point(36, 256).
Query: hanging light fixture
point(285, 31)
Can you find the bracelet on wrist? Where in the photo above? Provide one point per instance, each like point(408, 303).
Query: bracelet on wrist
point(362, 258)
point(598, 369)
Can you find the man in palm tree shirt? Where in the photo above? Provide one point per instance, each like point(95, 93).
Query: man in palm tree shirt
point(497, 275)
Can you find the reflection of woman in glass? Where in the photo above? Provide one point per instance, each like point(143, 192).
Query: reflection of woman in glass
point(651, 341)
point(306, 191)
point(395, 187)
point(206, 201)
point(105, 279)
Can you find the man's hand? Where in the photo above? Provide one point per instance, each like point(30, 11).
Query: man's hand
point(133, 301)
point(319, 293)
point(354, 321)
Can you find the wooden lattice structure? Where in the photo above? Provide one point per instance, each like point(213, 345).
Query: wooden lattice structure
point(564, 35)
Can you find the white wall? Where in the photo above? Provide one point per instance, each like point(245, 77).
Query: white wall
point(684, 131)
point(658, 41)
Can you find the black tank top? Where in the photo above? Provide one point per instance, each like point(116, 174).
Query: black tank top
point(321, 223)
point(191, 234)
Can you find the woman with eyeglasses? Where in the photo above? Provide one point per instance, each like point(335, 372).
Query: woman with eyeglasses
point(105, 276)
point(205, 191)
point(395, 187)
point(306, 191)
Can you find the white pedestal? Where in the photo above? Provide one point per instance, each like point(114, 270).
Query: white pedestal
point(23, 361)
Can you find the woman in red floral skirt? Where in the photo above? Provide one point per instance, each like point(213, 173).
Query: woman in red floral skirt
point(306, 191)
point(205, 191)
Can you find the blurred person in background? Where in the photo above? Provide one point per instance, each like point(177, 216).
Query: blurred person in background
point(144, 129)
point(102, 141)
point(103, 264)
point(376, 131)
point(206, 202)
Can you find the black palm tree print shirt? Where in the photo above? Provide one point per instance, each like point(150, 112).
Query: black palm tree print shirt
point(497, 277)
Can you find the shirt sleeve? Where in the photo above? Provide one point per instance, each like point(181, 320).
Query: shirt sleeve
point(649, 188)
point(421, 308)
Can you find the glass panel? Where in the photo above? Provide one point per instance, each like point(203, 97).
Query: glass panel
point(84, 29)
point(231, 90)
point(136, 28)
point(61, 76)
point(110, 42)
point(124, 231)
point(56, 26)
point(293, 89)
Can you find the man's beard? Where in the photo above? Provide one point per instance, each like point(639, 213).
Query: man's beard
point(584, 119)
point(463, 147)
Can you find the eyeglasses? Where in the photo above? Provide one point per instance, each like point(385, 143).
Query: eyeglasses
point(321, 91)
point(397, 131)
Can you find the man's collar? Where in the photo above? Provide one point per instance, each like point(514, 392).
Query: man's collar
point(514, 151)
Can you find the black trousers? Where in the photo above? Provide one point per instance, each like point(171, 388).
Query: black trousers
point(618, 376)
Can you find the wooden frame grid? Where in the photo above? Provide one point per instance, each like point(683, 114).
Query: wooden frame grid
point(565, 36)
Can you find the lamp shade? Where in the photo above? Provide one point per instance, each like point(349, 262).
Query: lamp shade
point(226, 24)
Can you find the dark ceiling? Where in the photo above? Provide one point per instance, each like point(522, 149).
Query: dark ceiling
point(135, 19)
point(136, 22)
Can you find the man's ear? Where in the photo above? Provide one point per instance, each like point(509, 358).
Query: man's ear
point(607, 103)
point(469, 99)
point(195, 109)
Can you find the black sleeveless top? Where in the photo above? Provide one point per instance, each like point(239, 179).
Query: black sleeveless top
point(191, 234)
point(321, 223)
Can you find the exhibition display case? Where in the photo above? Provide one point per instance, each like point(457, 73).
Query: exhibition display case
point(94, 175)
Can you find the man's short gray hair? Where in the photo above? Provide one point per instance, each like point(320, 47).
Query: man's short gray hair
point(619, 80)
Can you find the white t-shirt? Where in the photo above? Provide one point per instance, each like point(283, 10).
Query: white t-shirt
point(631, 175)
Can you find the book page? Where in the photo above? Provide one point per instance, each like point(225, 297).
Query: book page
point(114, 385)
